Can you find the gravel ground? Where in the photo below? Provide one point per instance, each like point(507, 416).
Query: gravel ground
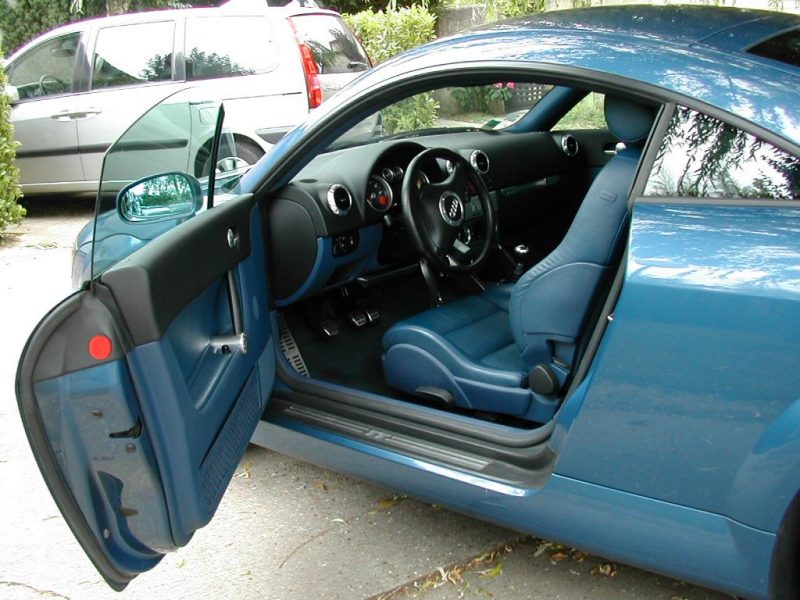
point(285, 529)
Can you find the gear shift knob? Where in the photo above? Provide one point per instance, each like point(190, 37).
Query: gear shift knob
point(521, 251)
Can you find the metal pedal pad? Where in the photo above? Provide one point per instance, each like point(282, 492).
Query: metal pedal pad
point(329, 328)
point(372, 315)
point(357, 317)
point(290, 350)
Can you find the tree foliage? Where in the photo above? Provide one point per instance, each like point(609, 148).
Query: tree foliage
point(10, 211)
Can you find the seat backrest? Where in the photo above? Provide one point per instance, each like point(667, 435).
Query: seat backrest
point(550, 302)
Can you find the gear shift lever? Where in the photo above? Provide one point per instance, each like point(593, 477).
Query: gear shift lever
point(521, 252)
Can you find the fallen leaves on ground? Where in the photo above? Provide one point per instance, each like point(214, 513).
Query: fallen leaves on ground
point(387, 503)
point(605, 570)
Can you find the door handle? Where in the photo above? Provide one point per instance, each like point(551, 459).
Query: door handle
point(61, 116)
point(74, 115)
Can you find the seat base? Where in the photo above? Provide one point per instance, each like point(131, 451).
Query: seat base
point(412, 369)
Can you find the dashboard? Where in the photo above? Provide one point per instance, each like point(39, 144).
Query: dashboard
point(340, 218)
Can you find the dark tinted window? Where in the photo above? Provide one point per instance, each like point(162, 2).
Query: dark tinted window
point(784, 48)
point(133, 54)
point(703, 157)
point(333, 45)
point(228, 46)
point(47, 69)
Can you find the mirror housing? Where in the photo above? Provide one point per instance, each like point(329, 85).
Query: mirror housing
point(12, 92)
point(172, 195)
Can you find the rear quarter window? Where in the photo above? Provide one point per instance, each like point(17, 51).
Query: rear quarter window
point(784, 48)
point(333, 45)
point(703, 157)
point(228, 47)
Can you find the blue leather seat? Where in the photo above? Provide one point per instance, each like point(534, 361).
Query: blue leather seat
point(480, 349)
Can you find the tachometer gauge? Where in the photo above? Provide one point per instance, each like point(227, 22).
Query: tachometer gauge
point(379, 193)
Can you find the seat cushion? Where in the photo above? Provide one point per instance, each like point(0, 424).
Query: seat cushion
point(470, 336)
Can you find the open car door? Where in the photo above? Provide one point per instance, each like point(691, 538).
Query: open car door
point(140, 392)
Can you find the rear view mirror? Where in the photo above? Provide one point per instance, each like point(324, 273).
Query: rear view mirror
point(159, 197)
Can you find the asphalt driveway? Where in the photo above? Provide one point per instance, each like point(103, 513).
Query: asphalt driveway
point(285, 529)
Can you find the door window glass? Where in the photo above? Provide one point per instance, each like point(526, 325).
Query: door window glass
point(701, 156)
point(47, 69)
point(333, 46)
point(586, 114)
point(133, 54)
point(229, 46)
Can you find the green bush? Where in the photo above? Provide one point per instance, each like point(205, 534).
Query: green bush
point(507, 9)
point(390, 32)
point(385, 34)
point(10, 212)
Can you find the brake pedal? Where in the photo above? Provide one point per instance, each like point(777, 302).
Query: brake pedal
point(372, 315)
point(357, 318)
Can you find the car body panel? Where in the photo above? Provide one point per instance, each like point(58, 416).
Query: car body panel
point(676, 446)
point(674, 397)
point(702, 547)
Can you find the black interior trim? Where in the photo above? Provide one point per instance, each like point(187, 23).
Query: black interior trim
point(323, 132)
point(155, 283)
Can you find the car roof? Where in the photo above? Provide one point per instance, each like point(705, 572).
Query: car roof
point(697, 52)
point(229, 9)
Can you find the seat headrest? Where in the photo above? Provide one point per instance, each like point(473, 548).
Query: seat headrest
point(629, 121)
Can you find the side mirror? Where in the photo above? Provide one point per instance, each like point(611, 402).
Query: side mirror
point(160, 197)
point(12, 92)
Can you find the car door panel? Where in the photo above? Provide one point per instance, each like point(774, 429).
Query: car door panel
point(138, 446)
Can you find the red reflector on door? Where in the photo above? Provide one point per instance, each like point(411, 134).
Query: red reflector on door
point(100, 347)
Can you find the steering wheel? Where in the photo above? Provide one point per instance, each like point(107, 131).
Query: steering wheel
point(435, 213)
point(52, 78)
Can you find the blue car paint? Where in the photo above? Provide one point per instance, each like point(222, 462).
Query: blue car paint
point(74, 405)
point(661, 464)
point(673, 397)
point(707, 548)
point(663, 51)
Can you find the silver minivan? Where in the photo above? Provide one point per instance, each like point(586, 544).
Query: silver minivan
point(75, 89)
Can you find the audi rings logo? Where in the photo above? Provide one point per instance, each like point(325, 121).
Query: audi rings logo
point(452, 209)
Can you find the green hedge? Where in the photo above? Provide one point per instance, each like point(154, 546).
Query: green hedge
point(390, 32)
point(386, 34)
point(10, 212)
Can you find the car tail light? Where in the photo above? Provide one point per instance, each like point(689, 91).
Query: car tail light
point(310, 71)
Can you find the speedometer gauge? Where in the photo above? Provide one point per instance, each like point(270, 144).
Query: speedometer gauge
point(379, 193)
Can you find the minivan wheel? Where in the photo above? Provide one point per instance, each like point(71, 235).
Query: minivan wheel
point(246, 154)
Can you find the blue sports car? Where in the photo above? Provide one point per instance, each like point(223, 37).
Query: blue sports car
point(545, 272)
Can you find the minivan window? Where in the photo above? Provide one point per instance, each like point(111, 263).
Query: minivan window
point(133, 54)
point(228, 46)
point(332, 44)
point(47, 69)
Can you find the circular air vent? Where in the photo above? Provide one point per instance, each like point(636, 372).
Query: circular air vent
point(480, 161)
point(569, 145)
point(339, 199)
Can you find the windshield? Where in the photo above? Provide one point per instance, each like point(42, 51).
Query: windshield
point(492, 106)
point(177, 135)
